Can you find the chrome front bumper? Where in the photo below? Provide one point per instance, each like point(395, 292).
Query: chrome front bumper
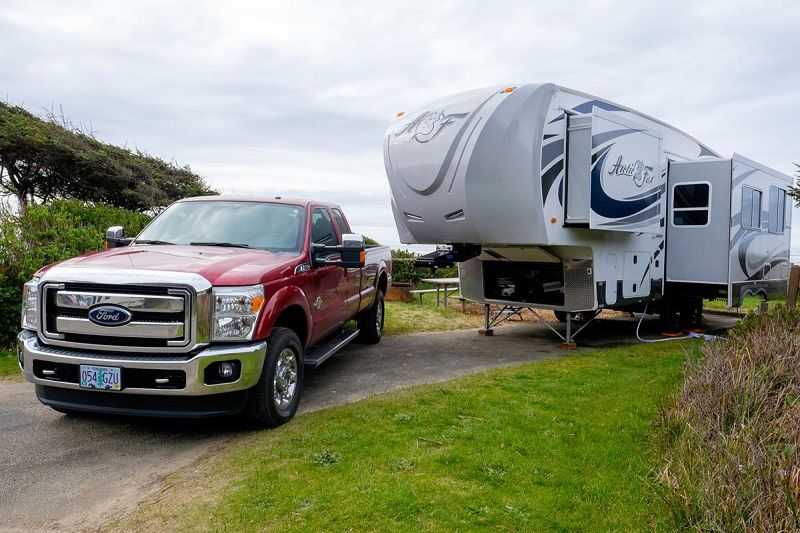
point(251, 357)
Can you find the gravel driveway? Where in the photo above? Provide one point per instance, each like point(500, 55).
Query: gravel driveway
point(63, 473)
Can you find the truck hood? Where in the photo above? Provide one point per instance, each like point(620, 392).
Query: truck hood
point(220, 266)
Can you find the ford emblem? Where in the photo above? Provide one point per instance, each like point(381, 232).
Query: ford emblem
point(110, 315)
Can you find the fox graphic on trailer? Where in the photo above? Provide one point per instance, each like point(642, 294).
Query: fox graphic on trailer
point(555, 199)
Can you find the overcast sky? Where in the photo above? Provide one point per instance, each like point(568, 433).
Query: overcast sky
point(294, 97)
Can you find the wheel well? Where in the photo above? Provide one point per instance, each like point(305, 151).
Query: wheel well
point(294, 318)
point(383, 283)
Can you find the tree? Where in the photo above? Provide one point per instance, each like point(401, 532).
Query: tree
point(44, 159)
point(794, 191)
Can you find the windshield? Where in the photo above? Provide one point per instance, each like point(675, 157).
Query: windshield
point(267, 226)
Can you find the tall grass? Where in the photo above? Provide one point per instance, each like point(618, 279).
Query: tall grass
point(732, 434)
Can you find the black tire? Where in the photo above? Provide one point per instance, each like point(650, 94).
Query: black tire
point(562, 316)
point(370, 322)
point(264, 408)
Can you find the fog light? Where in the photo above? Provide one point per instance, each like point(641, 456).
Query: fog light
point(223, 372)
point(226, 370)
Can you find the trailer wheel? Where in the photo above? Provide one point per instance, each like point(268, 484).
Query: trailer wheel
point(576, 317)
point(370, 322)
point(276, 396)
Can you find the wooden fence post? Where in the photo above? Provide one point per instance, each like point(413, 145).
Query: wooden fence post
point(794, 283)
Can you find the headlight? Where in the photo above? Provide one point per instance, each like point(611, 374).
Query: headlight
point(236, 311)
point(30, 305)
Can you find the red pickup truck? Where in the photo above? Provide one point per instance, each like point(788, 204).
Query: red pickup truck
point(215, 308)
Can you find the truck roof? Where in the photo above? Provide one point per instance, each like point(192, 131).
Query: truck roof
point(304, 202)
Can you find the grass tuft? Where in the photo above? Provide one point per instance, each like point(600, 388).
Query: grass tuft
point(9, 368)
point(326, 458)
point(732, 435)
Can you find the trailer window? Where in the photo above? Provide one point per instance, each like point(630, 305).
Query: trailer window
point(777, 209)
point(751, 208)
point(690, 204)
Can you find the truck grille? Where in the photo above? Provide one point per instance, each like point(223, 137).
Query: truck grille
point(160, 316)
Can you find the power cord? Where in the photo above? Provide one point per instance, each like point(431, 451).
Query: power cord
point(689, 336)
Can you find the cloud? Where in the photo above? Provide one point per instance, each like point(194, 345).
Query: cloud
point(294, 97)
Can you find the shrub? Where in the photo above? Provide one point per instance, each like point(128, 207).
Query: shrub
point(732, 435)
point(403, 269)
point(45, 234)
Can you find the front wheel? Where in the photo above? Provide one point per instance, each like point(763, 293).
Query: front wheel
point(370, 322)
point(276, 396)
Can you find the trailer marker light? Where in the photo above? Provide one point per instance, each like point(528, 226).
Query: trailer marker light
point(400, 114)
point(553, 220)
point(507, 90)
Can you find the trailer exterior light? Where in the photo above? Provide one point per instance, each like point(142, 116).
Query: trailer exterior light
point(507, 90)
point(400, 114)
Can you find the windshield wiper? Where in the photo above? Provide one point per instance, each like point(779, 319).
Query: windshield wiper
point(151, 241)
point(224, 244)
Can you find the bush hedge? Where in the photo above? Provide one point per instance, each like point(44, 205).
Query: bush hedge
point(732, 436)
point(45, 234)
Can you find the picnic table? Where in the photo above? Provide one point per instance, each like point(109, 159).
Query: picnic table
point(444, 284)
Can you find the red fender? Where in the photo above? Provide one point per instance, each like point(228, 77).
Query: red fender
point(276, 304)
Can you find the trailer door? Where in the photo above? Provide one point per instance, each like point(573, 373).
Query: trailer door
point(698, 221)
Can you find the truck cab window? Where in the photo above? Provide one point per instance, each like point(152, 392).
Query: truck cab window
point(690, 204)
point(341, 223)
point(322, 230)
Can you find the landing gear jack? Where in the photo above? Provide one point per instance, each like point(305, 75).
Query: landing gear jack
point(508, 311)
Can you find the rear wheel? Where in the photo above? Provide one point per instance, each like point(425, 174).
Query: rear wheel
point(276, 396)
point(370, 322)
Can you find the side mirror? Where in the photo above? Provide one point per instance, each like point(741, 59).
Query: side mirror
point(351, 253)
point(115, 237)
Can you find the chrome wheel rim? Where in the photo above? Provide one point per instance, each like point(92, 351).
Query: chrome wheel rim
point(284, 383)
point(379, 317)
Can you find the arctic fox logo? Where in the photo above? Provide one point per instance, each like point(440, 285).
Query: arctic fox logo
point(642, 174)
point(428, 125)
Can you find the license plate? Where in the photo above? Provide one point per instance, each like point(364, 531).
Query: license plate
point(101, 377)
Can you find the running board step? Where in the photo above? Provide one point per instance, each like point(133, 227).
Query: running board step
point(325, 351)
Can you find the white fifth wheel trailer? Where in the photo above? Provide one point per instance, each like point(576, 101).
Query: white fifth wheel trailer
point(556, 199)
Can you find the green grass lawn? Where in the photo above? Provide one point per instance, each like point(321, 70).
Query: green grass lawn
point(402, 317)
point(413, 317)
point(560, 445)
point(748, 304)
point(8, 365)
